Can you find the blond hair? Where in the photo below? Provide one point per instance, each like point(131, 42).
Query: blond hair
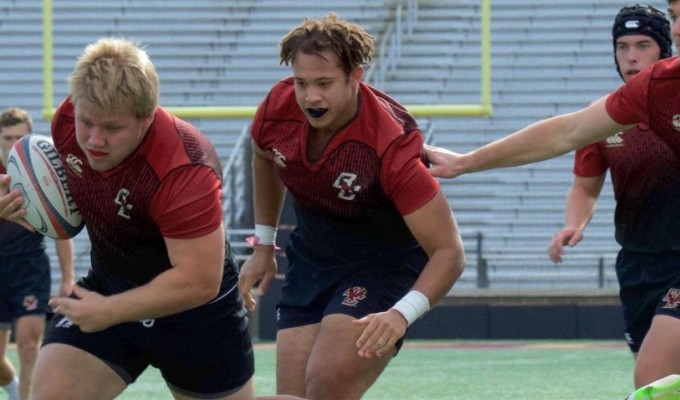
point(114, 77)
point(14, 116)
point(348, 41)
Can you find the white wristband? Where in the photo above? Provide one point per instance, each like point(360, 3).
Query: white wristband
point(265, 235)
point(412, 306)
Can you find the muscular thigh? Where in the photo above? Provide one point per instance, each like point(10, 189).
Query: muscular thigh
point(4, 341)
point(659, 354)
point(293, 347)
point(29, 330)
point(74, 374)
point(335, 346)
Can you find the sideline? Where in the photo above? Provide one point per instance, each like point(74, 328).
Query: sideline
point(544, 344)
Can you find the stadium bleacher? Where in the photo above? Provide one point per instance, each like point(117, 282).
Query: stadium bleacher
point(547, 58)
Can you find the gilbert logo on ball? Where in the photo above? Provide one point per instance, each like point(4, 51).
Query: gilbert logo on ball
point(37, 171)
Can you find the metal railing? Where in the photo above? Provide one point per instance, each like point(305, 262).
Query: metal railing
point(389, 48)
point(236, 182)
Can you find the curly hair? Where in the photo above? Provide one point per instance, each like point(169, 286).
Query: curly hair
point(348, 41)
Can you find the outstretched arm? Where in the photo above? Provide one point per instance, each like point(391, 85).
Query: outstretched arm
point(540, 141)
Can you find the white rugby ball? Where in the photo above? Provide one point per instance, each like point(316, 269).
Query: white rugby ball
point(37, 171)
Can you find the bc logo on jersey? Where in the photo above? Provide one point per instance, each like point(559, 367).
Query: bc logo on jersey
point(345, 182)
point(122, 201)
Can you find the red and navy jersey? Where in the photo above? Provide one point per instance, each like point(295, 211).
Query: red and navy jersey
point(639, 162)
point(14, 238)
point(651, 97)
point(350, 202)
point(170, 186)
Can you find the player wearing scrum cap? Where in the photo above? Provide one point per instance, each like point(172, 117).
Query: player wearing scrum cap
point(646, 263)
point(650, 98)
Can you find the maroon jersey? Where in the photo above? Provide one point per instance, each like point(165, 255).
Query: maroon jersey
point(640, 163)
point(369, 176)
point(14, 238)
point(170, 186)
point(651, 97)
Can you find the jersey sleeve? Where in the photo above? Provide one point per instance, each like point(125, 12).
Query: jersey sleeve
point(407, 181)
point(628, 104)
point(188, 203)
point(590, 161)
point(58, 126)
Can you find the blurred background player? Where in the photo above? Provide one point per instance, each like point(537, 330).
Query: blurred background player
point(647, 261)
point(24, 276)
point(649, 98)
point(376, 244)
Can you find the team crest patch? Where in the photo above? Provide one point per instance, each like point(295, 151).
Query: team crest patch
point(672, 298)
point(30, 303)
point(122, 201)
point(353, 296)
point(346, 182)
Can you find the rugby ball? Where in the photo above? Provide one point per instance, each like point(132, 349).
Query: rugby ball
point(37, 172)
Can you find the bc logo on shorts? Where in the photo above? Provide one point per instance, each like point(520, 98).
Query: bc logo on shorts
point(30, 303)
point(672, 298)
point(353, 296)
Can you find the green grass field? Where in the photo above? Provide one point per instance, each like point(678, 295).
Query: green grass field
point(470, 370)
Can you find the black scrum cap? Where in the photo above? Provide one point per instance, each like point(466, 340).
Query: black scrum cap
point(642, 19)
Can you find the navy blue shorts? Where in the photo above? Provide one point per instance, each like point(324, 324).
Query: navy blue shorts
point(24, 286)
point(311, 291)
point(650, 285)
point(198, 357)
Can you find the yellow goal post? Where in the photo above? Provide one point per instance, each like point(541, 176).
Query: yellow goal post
point(482, 109)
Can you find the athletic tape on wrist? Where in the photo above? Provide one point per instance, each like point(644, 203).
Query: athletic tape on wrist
point(412, 306)
point(265, 235)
